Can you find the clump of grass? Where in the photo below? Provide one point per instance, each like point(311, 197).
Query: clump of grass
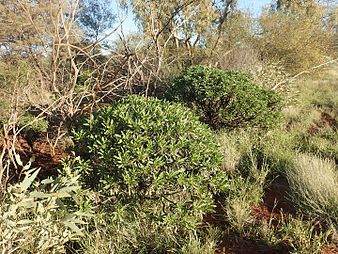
point(299, 118)
point(234, 144)
point(320, 93)
point(123, 231)
point(246, 191)
point(278, 149)
point(314, 187)
point(323, 142)
point(298, 235)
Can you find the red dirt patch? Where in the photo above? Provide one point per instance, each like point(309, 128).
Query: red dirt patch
point(263, 213)
point(46, 158)
point(325, 120)
point(274, 208)
point(216, 218)
point(329, 249)
point(275, 198)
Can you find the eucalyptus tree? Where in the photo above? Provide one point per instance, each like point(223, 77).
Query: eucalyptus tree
point(180, 33)
point(295, 33)
point(95, 17)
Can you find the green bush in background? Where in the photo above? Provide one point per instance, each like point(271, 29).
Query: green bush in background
point(153, 153)
point(226, 99)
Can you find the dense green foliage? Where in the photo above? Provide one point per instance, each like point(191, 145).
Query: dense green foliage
point(227, 99)
point(152, 152)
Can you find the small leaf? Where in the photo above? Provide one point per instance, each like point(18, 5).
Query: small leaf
point(47, 181)
point(27, 182)
point(73, 227)
point(39, 194)
point(23, 222)
point(18, 159)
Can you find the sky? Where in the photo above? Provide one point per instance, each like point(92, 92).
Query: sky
point(254, 6)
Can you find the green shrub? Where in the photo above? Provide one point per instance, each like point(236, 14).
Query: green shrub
point(227, 99)
point(154, 153)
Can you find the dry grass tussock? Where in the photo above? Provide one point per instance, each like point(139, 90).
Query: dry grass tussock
point(314, 186)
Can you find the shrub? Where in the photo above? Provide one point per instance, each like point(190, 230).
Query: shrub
point(39, 217)
point(270, 75)
point(227, 99)
point(154, 153)
point(314, 187)
point(298, 41)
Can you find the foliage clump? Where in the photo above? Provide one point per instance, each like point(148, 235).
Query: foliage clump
point(41, 216)
point(153, 153)
point(227, 99)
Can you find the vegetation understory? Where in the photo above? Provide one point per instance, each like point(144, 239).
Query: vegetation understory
point(260, 214)
point(208, 130)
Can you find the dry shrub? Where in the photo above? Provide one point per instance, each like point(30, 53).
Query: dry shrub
point(273, 76)
point(299, 42)
point(238, 58)
point(270, 74)
point(20, 87)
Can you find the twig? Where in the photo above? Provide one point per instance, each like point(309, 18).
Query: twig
point(303, 72)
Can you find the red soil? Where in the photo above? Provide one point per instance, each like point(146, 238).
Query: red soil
point(325, 120)
point(46, 158)
point(329, 249)
point(275, 198)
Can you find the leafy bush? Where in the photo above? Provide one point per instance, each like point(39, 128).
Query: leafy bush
point(226, 98)
point(37, 217)
point(154, 153)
